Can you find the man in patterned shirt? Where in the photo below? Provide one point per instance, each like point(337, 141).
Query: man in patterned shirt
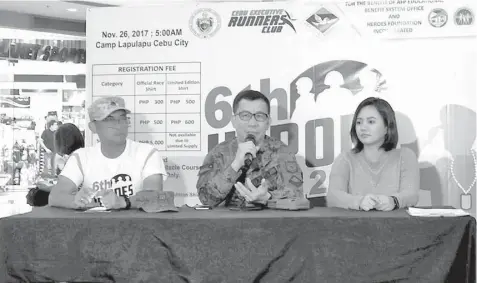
point(273, 172)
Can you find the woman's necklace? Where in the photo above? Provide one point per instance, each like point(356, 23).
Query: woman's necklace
point(376, 173)
point(377, 170)
point(465, 199)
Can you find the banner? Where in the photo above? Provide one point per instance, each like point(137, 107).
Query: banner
point(179, 75)
point(43, 50)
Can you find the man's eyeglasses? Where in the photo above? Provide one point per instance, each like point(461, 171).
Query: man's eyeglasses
point(246, 116)
point(120, 120)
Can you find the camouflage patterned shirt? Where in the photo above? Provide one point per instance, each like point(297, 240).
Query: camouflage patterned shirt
point(275, 163)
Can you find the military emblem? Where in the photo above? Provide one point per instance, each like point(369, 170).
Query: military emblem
point(204, 23)
point(291, 166)
point(272, 171)
point(205, 168)
point(266, 157)
point(295, 181)
point(257, 181)
point(438, 18)
point(464, 17)
point(266, 175)
point(322, 20)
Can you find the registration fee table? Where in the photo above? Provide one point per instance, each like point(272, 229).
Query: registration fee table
point(164, 98)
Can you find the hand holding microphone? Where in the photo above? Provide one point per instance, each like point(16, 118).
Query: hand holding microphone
point(245, 153)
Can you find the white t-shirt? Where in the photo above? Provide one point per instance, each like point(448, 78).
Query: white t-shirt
point(89, 168)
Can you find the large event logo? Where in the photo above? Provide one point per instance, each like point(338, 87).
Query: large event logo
point(322, 20)
point(205, 23)
point(269, 20)
point(344, 81)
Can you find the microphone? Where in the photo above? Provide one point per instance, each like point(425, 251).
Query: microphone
point(248, 155)
point(243, 171)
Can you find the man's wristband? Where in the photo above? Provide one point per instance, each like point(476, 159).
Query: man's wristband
point(128, 202)
point(396, 202)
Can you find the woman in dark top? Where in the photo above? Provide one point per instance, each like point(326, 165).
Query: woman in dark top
point(67, 139)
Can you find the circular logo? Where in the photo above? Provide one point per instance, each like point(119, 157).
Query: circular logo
point(464, 17)
point(204, 23)
point(438, 18)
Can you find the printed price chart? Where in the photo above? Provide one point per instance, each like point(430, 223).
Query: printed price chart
point(164, 98)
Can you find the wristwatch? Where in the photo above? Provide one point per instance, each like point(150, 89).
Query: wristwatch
point(128, 202)
point(396, 202)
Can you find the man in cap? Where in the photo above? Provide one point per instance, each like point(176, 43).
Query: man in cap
point(272, 172)
point(117, 173)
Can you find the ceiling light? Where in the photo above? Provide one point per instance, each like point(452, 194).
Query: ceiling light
point(71, 9)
